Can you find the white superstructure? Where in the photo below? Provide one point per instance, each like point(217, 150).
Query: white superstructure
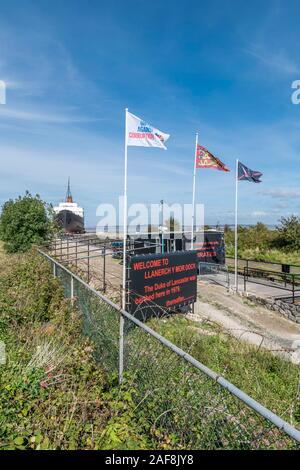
point(69, 206)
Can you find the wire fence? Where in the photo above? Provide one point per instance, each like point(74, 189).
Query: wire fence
point(183, 402)
point(215, 272)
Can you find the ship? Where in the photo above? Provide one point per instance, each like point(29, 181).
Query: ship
point(68, 215)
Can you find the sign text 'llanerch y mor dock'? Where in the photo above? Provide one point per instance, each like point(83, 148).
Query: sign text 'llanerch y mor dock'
point(163, 280)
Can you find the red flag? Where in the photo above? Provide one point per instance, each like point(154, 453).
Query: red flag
point(205, 159)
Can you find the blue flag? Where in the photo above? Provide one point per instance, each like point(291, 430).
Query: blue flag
point(244, 173)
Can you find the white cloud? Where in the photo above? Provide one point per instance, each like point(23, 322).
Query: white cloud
point(274, 59)
point(259, 214)
point(281, 193)
point(36, 115)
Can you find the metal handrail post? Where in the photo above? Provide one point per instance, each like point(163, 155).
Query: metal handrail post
point(72, 287)
point(293, 288)
point(88, 261)
point(103, 274)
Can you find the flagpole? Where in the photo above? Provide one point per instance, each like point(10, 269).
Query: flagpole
point(194, 189)
point(121, 332)
point(125, 217)
point(236, 228)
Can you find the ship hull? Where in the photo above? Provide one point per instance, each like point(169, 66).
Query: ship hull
point(70, 222)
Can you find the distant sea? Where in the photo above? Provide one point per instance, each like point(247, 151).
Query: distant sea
point(144, 228)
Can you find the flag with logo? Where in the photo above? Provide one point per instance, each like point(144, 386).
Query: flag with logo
point(244, 173)
point(205, 159)
point(142, 134)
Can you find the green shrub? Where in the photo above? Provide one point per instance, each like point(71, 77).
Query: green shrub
point(53, 394)
point(289, 233)
point(24, 221)
point(28, 293)
point(260, 243)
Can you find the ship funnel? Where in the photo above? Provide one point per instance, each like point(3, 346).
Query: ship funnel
point(69, 195)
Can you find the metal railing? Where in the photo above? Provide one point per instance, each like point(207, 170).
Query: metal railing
point(82, 250)
point(277, 280)
point(216, 273)
point(183, 400)
point(267, 265)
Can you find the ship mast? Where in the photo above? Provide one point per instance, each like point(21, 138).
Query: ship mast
point(69, 195)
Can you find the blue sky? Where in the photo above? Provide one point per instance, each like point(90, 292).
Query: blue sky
point(223, 69)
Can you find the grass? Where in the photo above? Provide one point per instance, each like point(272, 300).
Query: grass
point(269, 379)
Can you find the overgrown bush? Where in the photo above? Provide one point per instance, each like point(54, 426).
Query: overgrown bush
point(25, 221)
point(289, 233)
point(28, 293)
point(261, 243)
point(259, 236)
point(53, 394)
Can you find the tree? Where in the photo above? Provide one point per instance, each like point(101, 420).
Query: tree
point(289, 232)
point(25, 221)
point(258, 236)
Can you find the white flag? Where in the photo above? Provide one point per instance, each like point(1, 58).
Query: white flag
point(142, 134)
